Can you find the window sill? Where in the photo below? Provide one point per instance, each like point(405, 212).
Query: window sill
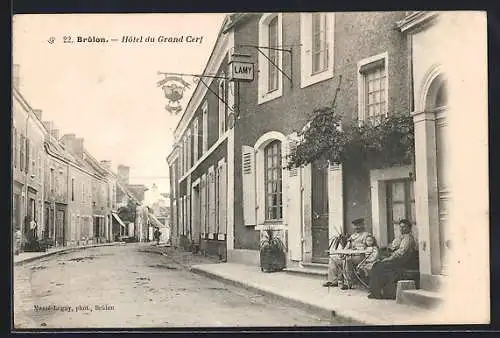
point(275, 225)
point(309, 80)
point(268, 96)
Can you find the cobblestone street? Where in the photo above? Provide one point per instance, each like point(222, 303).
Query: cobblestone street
point(134, 286)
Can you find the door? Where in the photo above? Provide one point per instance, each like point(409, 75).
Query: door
point(196, 215)
point(400, 204)
point(319, 177)
point(60, 215)
point(443, 189)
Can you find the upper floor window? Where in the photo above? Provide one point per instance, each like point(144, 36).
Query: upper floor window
point(14, 145)
point(273, 181)
point(372, 88)
point(188, 150)
point(22, 155)
point(320, 41)
point(196, 137)
point(72, 189)
point(222, 105)
point(204, 110)
point(316, 35)
point(273, 55)
point(269, 76)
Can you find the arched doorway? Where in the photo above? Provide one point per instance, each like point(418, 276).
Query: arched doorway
point(437, 103)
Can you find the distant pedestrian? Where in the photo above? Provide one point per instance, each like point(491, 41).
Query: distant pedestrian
point(157, 235)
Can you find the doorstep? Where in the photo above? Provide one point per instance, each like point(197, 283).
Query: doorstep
point(350, 305)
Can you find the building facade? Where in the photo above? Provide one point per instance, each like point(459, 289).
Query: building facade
point(28, 158)
point(56, 183)
point(227, 169)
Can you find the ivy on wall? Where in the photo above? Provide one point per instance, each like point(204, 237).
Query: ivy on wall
point(388, 142)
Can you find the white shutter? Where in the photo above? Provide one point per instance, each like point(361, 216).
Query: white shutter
point(222, 198)
point(335, 200)
point(293, 206)
point(211, 200)
point(203, 198)
point(248, 185)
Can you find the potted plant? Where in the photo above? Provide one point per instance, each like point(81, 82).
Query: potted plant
point(272, 252)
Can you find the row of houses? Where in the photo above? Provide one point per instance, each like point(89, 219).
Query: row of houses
point(227, 176)
point(73, 198)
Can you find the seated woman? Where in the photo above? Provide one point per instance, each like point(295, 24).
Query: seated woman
point(372, 256)
point(386, 273)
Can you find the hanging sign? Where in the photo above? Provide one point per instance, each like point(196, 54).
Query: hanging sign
point(241, 71)
point(173, 88)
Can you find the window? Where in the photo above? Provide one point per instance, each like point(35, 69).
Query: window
point(372, 86)
point(273, 182)
point(204, 110)
point(269, 76)
point(222, 105)
point(22, 152)
point(273, 55)
point(27, 163)
point(316, 38)
point(189, 152)
point(319, 42)
point(196, 137)
point(51, 182)
point(72, 189)
point(14, 145)
point(83, 192)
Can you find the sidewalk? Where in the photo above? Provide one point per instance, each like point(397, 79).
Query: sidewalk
point(26, 257)
point(349, 305)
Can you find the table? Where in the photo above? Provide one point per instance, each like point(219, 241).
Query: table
point(344, 253)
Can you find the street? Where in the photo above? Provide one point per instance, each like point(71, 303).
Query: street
point(133, 286)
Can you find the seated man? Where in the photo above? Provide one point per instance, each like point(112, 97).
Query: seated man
point(386, 273)
point(336, 273)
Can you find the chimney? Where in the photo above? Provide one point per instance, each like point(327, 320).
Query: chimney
point(38, 113)
point(78, 147)
point(15, 76)
point(123, 173)
point(55, 133)
point(106, 164)
point(68, 141)
point(49, 125)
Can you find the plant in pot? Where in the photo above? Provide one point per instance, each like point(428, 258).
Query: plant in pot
point(272, 252)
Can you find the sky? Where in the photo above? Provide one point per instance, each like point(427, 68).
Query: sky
point(106, 93)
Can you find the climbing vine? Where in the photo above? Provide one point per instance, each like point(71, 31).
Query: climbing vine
point(386, 143)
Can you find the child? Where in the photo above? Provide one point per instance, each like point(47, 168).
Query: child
point(372, 256)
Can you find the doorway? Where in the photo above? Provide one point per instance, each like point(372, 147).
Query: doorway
point(60, 216)
point(319, 226)
point(400, 204)
point(196, 215)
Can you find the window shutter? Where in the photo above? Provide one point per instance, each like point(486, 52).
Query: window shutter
point(248, 184)
point(293, 200)
point(335, 202)
point(222, 198)
point(203, 199)
point(27, 164)
point(14, 143)
point(211, 200)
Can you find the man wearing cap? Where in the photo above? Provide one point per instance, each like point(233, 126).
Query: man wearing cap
point(404, 254)
point(336, 273)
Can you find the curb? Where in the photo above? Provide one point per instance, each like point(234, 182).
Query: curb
point(63, 251)
point(332, 314)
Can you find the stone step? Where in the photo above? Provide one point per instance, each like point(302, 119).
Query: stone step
point(308, 272)
point(421, 298)
point(316, 266)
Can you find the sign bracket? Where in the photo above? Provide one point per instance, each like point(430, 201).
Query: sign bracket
point(289, 51)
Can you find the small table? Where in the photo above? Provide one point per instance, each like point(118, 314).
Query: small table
point(344, 253)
